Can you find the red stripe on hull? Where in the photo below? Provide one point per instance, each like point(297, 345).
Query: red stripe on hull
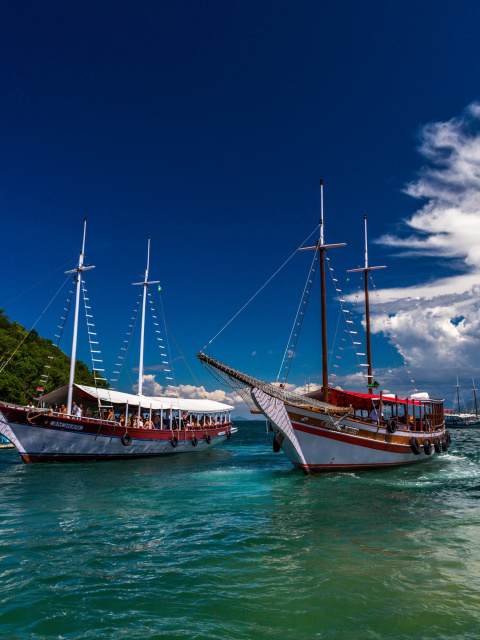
point(36, 458)
point(360, 441)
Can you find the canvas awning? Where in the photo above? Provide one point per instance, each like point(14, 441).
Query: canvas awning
point(83, 395)
point(366, 401)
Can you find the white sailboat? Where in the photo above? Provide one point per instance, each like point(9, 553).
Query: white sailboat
point(182, 424)
point(461, 419)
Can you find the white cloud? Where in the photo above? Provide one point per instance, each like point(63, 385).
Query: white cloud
point(151, 387)
point(437, 322)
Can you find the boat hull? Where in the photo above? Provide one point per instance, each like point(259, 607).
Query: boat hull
point(318, 442)
point(453, 421)
point(52, 438)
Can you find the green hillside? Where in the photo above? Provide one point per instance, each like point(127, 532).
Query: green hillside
point(21, 377)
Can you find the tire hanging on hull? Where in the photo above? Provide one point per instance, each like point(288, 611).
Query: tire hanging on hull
point(415, 446)
point(126, 439)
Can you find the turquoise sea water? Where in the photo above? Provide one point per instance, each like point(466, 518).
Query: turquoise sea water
point(236, 544)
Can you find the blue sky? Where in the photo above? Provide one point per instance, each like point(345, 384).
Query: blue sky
point(208, 126)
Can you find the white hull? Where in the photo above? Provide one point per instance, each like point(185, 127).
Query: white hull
point(36, 443)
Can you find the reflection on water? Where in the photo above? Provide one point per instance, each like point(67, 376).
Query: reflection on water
point(235, 543)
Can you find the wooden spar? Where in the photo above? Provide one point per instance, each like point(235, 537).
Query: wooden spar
point(366, 270)
point(475, 397)
point(367, 319)
point(320, 247)
point(324, 326)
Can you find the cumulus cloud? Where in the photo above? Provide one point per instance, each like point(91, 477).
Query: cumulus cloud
point(437, 322)
point(448, 224)
point(151, 387)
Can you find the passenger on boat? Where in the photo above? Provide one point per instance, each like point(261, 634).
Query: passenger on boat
point(88, 412)
point(30, 406)
point(155, 420)
point(63, 409)
point(111, 415)
point(76, 411)
point(140, 422)
point(121, 419)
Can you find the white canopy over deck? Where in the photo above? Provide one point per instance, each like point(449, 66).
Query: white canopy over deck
point(84, 394)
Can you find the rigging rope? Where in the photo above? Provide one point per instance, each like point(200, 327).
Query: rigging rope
point(7, 362)
point(91, 343)
point(389, 331)
point(162, 313)
point(348, 315)
point(37, 283)
point(309, 281)
point(261, 288)
point(121, 357)
point(168, 362)
point(45, 376)
point(346, 239)
point(168, 330)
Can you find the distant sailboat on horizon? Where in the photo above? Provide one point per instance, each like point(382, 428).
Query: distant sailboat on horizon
point(463, 420)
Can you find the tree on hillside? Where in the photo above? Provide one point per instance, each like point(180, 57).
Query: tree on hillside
point(20, 378)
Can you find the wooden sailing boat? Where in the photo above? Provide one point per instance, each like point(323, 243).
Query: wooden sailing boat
point(336, 430)
point(461, 419)
point(43, 435)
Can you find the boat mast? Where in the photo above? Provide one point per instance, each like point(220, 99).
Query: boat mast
point(320, 247)
point(80, 268)
point(366, 269)
point(144, 284)
point(475, 397)
point(458, 396)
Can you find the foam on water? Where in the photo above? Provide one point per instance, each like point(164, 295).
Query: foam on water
point(237, 544)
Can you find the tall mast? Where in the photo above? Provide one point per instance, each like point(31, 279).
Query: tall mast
point(80, 268)
point(475, 397)
point(320, 247)
point(144, 284)
point(458, 396)
point(366, 269)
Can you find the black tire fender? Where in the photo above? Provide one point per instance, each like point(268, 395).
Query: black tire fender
point(391, 425)
point(174, 441)
point(437, 445)
point(427, 447)
point(229, 434)
point(448, 438)
point(194, 441)
point(126, 439)
point(415, 446)
point(208, 438)
point(444, 444)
